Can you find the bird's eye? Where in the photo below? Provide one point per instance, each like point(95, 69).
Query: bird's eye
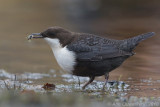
point(50, 33)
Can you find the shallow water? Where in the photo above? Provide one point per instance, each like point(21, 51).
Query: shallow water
point(34, 65)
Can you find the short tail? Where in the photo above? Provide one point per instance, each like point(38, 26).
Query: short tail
point(131, 43)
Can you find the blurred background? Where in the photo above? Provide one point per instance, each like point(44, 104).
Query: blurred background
point(110, 18)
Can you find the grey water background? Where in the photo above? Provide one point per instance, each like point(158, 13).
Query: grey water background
point(111, 18)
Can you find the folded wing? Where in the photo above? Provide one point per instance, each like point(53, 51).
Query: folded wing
point(96, 52)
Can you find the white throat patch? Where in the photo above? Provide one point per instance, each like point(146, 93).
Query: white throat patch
point(64, 57)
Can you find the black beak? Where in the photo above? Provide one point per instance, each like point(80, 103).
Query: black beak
point(35, 35)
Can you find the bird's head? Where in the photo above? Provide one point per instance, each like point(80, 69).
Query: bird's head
point(54, 35)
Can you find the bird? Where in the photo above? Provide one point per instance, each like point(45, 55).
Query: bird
point(88, 55)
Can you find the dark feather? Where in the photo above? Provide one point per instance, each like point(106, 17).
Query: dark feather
point(93, 48)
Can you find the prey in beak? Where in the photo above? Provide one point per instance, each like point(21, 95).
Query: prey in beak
point(35, 35)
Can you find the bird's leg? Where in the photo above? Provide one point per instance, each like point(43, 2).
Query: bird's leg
point(90, 81)
point(79, 83)
point(106, 77)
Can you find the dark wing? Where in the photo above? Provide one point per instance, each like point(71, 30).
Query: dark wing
point(96, 52)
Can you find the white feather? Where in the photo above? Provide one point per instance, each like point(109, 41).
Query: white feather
point(64, 57)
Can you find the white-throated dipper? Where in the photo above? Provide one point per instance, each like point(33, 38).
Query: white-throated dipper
point(88, 55)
